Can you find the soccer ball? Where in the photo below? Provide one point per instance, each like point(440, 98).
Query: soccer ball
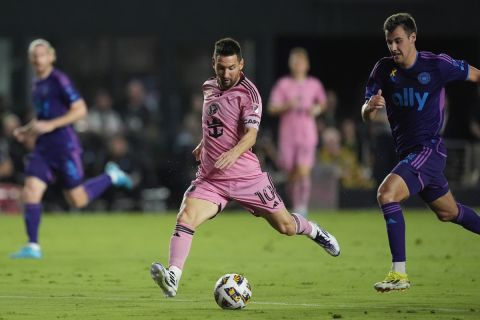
point(232, 291)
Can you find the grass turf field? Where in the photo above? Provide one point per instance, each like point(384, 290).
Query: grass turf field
point(97, 267)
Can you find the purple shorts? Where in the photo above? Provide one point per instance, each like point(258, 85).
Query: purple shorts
point(64, 166)
point(256, 194)
point(422, 171)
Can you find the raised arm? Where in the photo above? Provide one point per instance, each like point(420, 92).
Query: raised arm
point(474, 74)
point(371, 107)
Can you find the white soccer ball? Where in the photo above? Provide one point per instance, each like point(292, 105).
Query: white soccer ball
point(232, 291)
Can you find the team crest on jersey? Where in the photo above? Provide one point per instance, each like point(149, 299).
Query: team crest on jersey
point(256, 108)
point(424, 77)
point(213, 109)
point(393, 75)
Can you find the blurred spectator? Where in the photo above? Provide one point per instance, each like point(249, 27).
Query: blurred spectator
point(141, 125)
point(266, 152)
point(343, 160)
point(350, 139)
point(331, 106)
point(101, 123)
point(102, 118)
point(6, 164)
point(139, 167)
point(190, 132)
point(11, 166)
point(137, 116)
point(12, 152)
point(474, 126)
point(474, 118)
point(186, 139)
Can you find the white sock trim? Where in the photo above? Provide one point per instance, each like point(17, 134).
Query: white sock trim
point(313, 234)
point(34, 245)
point(399, 267)
point(176, 271)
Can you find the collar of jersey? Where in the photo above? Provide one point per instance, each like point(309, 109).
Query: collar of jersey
point(414, 63)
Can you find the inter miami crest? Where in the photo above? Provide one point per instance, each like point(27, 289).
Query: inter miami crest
point(215, 127)
point(213, 109)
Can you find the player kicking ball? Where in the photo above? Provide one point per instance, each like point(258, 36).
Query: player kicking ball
point(410, 84)
point(228, 169)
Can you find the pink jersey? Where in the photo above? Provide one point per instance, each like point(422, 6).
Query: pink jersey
point(297, 125)
point(225, 116)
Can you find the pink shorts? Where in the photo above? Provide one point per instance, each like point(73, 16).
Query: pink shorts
point(257, 194)
point(294, 154)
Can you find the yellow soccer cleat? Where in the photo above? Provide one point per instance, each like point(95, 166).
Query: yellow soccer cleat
point(393, 281)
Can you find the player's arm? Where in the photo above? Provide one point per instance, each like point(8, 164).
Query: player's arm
point(371, 106)
point(77, 111)
point(198, 150)
point(21, 133)
point(320, 101)
point(279, 102)
point(474, 74)
point(277, 109)
point(227, 159)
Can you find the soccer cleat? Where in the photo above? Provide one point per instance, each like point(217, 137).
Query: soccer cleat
point(326, 241)
point(27, 252)
point(393, 281)
point(118, 176)
point(165, 279)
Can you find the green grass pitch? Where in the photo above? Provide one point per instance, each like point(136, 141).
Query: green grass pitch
point(97, 267)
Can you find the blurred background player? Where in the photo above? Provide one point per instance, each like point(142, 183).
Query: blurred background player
point(57, 152)
point(410, 84)
point(228, 169)
point(298, 98)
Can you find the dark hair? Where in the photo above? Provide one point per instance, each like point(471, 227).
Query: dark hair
point(400, 19)
point(227, 47)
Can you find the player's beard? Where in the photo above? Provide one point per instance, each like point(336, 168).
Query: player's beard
point(226, 84)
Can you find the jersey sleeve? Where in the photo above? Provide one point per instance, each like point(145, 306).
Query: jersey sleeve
point(252, 110)
point(452, 69)
point(374, 81)
point(67, 90)
point(277, 96)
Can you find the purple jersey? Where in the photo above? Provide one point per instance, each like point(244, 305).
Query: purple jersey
point(52, 98)
point(415, 97)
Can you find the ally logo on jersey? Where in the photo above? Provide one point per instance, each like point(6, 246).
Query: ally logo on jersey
point(408, 97)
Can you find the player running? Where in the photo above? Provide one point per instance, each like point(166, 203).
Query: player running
point(57, 152)
point(228, 169)
point(298, 99)
point(410, 84)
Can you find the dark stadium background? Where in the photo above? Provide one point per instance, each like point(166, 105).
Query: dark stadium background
point(167, 45)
